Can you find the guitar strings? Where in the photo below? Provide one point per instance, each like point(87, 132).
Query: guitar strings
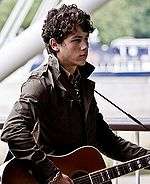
point(95, 179)
point(86, 179)
point(83, 179)
point(106, 176)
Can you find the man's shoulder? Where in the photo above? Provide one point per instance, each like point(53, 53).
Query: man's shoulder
point(41, 71)
point(36, 85)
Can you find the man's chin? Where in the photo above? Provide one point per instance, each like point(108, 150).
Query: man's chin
point(82, 63)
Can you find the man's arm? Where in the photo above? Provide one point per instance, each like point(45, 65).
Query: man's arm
point(114, 146)
point(22, 128)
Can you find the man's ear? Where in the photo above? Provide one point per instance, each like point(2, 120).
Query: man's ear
point(54, 45)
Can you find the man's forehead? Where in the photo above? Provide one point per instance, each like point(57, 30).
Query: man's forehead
point(78, 32)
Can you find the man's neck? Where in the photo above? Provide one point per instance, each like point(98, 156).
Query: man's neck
point(69, 69)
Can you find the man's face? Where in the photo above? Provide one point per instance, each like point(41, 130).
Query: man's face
point(74, 49)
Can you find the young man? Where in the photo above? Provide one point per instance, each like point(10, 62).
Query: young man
point(57, 112)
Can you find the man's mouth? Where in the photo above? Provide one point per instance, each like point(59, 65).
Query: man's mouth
point(83, 55)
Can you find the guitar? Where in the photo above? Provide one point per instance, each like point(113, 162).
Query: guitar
point(85, 165)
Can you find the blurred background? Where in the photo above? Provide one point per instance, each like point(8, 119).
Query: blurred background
point(119, 50)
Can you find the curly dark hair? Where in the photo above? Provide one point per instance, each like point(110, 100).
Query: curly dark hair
point(62, 21)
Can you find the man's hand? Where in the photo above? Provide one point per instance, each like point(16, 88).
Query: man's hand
point(62, 179)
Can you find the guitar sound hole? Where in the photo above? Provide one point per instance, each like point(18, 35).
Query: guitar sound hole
point(78, 173)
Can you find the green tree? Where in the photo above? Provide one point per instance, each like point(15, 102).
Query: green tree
point(31, 14)
point(123, 18)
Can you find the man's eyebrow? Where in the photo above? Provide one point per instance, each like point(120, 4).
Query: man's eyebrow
point(78, 36)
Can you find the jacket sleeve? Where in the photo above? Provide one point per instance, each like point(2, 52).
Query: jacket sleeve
point(114, 146)
point(21, 129)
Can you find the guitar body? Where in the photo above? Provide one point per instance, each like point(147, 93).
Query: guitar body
point(84, 165)
point(75, 164)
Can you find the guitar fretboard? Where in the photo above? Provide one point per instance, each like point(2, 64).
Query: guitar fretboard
point(119, 170)
point(105, 175)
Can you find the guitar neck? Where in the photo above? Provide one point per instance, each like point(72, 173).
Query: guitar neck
point(105, 175)
point(122, 169)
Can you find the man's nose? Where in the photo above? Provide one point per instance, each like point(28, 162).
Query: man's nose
point(84, 45)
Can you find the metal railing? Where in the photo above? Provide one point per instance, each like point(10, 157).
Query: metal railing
point(121, 66)
point(117, 126)
point(126, 125)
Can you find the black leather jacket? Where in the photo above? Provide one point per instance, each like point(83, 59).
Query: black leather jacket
point(45, 120)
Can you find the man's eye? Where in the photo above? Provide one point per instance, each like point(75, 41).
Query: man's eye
point(77, 40)
point(87, 39)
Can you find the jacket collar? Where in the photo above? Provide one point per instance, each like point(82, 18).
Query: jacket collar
point(87, 85)
point(85, 71)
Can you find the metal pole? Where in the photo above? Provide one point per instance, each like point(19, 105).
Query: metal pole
point(22, 48)
point(19, 20)
point(137, 173)
point(10, 21)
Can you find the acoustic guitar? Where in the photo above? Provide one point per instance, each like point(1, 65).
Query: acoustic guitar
point(84, 165)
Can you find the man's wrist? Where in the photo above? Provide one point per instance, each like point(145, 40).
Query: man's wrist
point(45, 167)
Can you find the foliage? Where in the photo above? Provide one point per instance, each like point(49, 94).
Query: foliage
point(5, 8)
point(31, 14)
point(123, 18)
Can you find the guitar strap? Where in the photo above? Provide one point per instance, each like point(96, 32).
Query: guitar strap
point(124, 112)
